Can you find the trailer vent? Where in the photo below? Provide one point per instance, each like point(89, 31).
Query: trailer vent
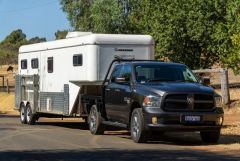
point(77, 34)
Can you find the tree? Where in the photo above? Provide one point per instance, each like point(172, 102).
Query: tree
point(10, 45)
point(60, 34)
point(16, 36)
point(106, 16)
point(233, 58)
point(36, 39)
point(195, 32)
point(79, 13)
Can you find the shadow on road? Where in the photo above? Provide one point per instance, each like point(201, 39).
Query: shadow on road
point(170, 138)
point(71, 125)
point(5, 115)
point(114, 155)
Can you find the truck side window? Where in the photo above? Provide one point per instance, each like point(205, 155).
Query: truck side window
point(24, 64)
point(126, 72)
point(34, 63)
point(77, 60)
point(50, 64)
point(116, 72)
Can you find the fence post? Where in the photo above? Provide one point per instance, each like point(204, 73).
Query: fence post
point(7, 86)
point(3, 81)
point(224, 86)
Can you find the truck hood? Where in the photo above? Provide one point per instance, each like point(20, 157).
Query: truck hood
point(177, 87)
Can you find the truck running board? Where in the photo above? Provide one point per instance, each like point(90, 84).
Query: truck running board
point(115, 124)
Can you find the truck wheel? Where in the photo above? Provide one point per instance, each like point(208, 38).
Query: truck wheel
point(138, 133)
point(23, 114)
point(30, 117)
point(210, 136)
point(95, 122)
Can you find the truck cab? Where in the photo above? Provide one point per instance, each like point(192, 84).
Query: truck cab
point(146, 96)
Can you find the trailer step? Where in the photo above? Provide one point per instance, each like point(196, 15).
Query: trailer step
point(115, 124)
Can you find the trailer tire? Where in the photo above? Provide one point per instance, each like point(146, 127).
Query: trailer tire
point(30, 117)
point(23, 114)
point(210, 136)
point(95, 121)
point(138, 133)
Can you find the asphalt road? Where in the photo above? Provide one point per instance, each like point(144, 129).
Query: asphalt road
point(60, 140)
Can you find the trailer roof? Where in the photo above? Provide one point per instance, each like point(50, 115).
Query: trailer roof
point(90, 39)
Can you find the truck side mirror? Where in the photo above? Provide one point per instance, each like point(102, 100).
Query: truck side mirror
point(205, 81)
point(121, 80)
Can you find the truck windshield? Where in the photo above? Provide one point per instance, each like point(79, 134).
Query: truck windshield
point(163, 73)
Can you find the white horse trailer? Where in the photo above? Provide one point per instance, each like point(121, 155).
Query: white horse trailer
point(51, 75)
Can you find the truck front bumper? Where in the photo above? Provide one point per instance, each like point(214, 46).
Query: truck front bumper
point(158, 120)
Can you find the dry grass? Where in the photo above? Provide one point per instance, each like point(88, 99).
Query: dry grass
point(231, 135)
point(234, 106)
point(7, 102)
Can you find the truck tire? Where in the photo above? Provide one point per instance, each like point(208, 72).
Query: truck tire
point(210, 136)
point(138, 133)
point(95, 121)
point(23, 114)
point(30, 117)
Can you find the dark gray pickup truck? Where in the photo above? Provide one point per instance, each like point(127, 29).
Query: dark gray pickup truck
point(148, 96)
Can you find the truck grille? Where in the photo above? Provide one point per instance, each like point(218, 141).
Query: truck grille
point(188, 102)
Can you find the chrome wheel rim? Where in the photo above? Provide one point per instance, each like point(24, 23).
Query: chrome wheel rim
point(93, 120)
point(135, 126)
point(22, 114)
point(28, 114)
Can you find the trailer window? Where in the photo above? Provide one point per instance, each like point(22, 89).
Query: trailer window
point(77, 60)
point(50, 65)
point(34, 63)
point(24, 64)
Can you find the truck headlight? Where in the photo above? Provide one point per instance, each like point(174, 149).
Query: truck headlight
point(152, 101)
point(218, 101)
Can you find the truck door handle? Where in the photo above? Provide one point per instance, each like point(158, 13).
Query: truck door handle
point(107, 89)
point(117, 90)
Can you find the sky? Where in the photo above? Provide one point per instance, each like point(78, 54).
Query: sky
point(35, 17)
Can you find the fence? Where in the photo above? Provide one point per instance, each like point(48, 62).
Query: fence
point(5, 84)
point(223, 77)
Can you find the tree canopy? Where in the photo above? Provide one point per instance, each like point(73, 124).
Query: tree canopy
point(10, 45)
point(60, 34)
point(198, 33)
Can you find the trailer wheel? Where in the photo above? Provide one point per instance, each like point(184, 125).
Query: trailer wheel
point(95, 121)
point(23, 114)
point(30, 117)
point(138, 133)
point(210, 136)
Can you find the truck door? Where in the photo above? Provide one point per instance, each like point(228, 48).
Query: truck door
point(118, 94)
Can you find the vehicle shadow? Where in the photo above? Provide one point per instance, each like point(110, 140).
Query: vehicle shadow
point(71, 125)
point(5, 115)
point(170, 138)
point(116, 155)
